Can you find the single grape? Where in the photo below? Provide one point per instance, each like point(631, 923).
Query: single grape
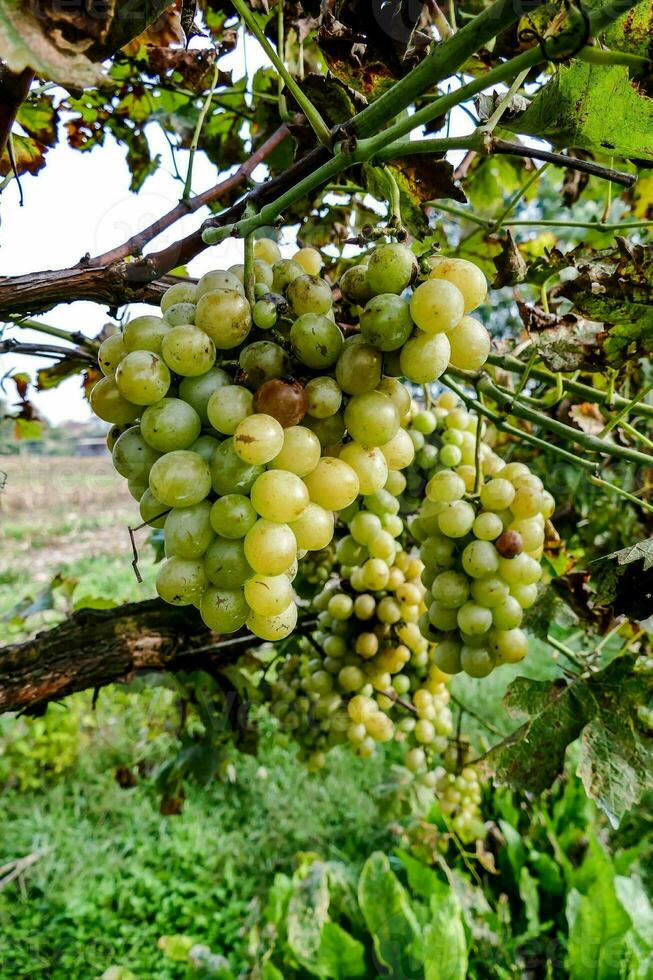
point(487, 526)
point(142, 377)
point(469, 279)
point(180, 292)
point(359, 365)
point(450, 589)
point(477, 661)
point(391, 269)
point(398, 392)
point(323, 397)
point(316, 340)
point(180, 581)
point(262, 361)
point(232, 516)
point(386, 322)
point(228, 406)
point(368, 463)
point(264, 314)
point(170, 424)
point(313, 529)
point(278, 495)
point(109, 405)
point(445, 487)
point(132, 457)
point(425, 357)
point(329, 431)
point(188, 531)
point(497, 494)
point(470, 344)
point(225, 563)
point(526, 595)
point(270, 548)
point(111, 352)
point(145, 333)
point(224, 610)
point(507, 615)
point(229, 473)
point(310, 260)
point(333, 484)
point(268, 595)
point(457, 520)
point(372, 418)
point(490, 591)
point(285, 401)
point(205, 446)
point(300, 452)
point(480, 558)
point(273, 627)
point(284, 271)
point(188, 351)
point(224, 314)
point(258, 439)
point(309, 294)
point(509, 646)
point(354, 286)
point(218, 279)
point(267, 250)
point(399, 451)
point(180, 479)
point(197, 391)
point(152, 511)
point(180, 314)
point(437, 306)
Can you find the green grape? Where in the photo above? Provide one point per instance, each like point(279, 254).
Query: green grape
point(224, 610)
point(447, 656)
point(526, 595)
point(399, 451)
point(279, 495)
point(137, 488)
point(262, 361)
point(225, 563)
point(465, 275)
point(368, 463)
point(180, 479)
point(450, 456)
point(445, 487)
point(267, 250)
point(225, 315)
point(391, 269)
point(450, 589)
point(152, 511)
point(328, 431)
point(507, 615)
point(218, 279)
point(443, 618)
point(205, 446)
point(145, 333)
point(375, 574)
point(180, 292)
point(497, 494)
point(258, 439)
point(399, 394)
point(425, 422)
point(232, 516)
point(509, 646)
point(188, 351)
point(364, 527)
point(313, 529)
point(132, 457)
point(531, 531)
point(396, 482)
point(316, 340)
point(109, 405)
point(470, 344)
point(359, 366)
point(520, 570)
point(188, 531)
point(351, 552)
point(490, 591)
point(382, 503)
point(111, 352)
point(480, 558)
point(310, 260)
point(273, 627)
point(300, 452)
point(180, 314)
point(457, 520)
point(229, 473)
point(264, 314)
point(283, 272)
point(270, 547)
point(324, 397)
point(437, 306)
point(114, 434)
point(527, 501)
point(354, 286)
point(268, 595)
point(487, 526)
point(386, 322)
point(372, 418)
point(425, 357)
point(142, 377)
point(228, 406)
point(477, 661)
point(180, 581)
point(333, 484)
point(474, 619)
point(197, 391)
point(309, 294)
point(170, 424)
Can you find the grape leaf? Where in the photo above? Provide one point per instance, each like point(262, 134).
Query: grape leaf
point(308, 910)
point(444, 947)
point(597, 932)
point(624, 585)
point(340, 956)
point(388, 915)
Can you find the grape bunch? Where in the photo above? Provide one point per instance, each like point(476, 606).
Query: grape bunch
point(481, 546)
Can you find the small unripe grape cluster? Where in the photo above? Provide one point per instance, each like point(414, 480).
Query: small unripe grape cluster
point(459, 795)
point(481, 546)
point(422, 331)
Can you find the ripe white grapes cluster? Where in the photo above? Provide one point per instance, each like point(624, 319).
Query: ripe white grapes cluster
point(481, 546)
point(242, 427)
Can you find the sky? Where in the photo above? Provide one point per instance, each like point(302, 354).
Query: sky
point(81, 202)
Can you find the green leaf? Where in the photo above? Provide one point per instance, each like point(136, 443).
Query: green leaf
point(308, 910)
point(422, 879)
point(445, 949)
point(598, 927)
point(632, 895)
point(176, 948)
point(340, 956)
point(29, 156)
point(270, 972)
point(530, 897)
point(388, 916)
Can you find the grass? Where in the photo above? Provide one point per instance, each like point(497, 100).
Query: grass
point(113, 874)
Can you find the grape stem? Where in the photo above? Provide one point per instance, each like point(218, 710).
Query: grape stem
point(47, 350)
point(482, 721)
point(197, 133)
point(249, 274)
point(77, 337)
